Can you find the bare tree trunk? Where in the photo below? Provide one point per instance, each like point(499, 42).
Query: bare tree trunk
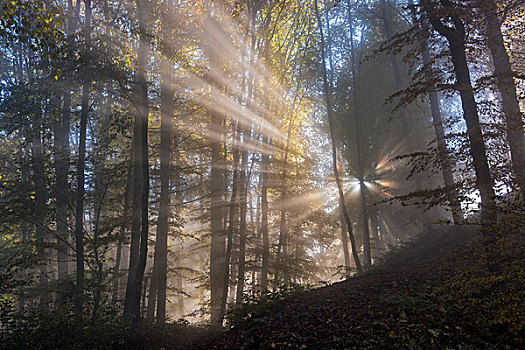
point(332, 136)
point(344, 242)
point(374, 229)
point(99, 272)
point(217, 254)
point(62, 186)
point(344, 238)
point(264, 220)
point(180, 297)
point(130, 310)
point(160, 264)
point(79, 211)
point(179, 252)
point(231, 222)
point(364, 218)
point(484, 182)
point(505, 83)
point(144, 292)
point(443, 152)
point(101, 188)
point(283, 229)
point(62, 164)
point(178, 281)
point(25, 226)
point(258, 231)
point(243, 181)
point(152, 295)
point(253, 229)
point(140, 222)
point(243, 187)
point(40, 213)
point(122, 235)
point(437, 122)
point(245, 177)
point(360, 163)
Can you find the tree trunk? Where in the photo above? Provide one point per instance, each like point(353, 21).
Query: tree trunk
point(62, 164)
point(101, 188)
point(99, 272)
point(217, 253)
point(144, 292)
point(153, 292)
point(505, 83)
point(160, 265)
point(367, 258)
point(40, 213)
point(283, 229)
point(231, 221)
point(245, 177)
point(437, 122)
point(243, 187)
point(332, 137)
point(79, 211)
point(344, 238)
point(374, 229)
point(484, 182)
point(140, 222)
point(130, 309)
point(258, 231)
point(179, 252)
point(25, 226)
point(247, 80)
point(443, 152)
point(180, 297)
point(62, 186)
point(344, 242)
point(364, 219)
point(122, 235)
point(264, 220)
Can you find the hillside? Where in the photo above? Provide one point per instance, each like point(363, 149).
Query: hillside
point(434, 293)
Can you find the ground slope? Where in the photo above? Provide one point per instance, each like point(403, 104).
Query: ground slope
point(435, 293)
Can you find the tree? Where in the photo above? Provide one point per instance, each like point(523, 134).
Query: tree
point(140, 210)
point(456, 37)
point(358, 146)
point(334, 149)
point(79, 210)
point(443, 151)
point(157, 294)
point(504, 76)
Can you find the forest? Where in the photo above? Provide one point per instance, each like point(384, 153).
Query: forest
point(262, 174)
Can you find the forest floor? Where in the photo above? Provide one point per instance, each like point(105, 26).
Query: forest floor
point(436, 292)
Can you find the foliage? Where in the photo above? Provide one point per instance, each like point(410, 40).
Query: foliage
point(61, 328)
point(473, 309)
point(257, 304)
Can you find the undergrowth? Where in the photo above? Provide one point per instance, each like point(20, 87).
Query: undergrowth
point(257, 304)
point(476, 308)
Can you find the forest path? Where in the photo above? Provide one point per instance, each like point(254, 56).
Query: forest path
point(339, 315)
